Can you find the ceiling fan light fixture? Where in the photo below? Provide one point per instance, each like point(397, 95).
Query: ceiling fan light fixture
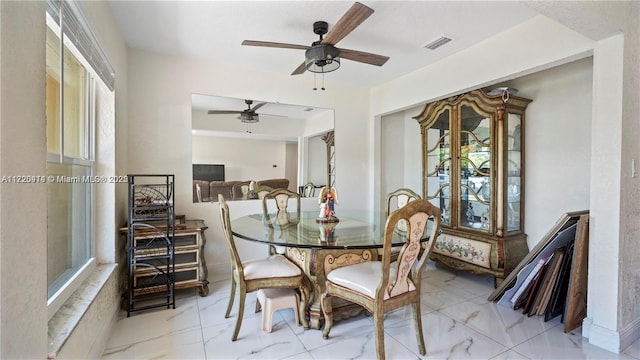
point(322, 58)
point(249, 118)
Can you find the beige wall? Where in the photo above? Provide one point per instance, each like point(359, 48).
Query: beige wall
point(23, 218)
point(244, 159)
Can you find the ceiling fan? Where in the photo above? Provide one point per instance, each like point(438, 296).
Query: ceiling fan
point(249, 115)
point(322, 56)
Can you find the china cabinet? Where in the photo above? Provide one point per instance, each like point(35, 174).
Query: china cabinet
point(473, 157)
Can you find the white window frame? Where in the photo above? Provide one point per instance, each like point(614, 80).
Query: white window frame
point(55, 302)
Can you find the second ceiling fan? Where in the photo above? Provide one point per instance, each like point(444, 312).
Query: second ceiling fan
point(323, 56)
point(249, 115)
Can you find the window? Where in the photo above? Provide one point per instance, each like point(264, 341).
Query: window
point(71, 111)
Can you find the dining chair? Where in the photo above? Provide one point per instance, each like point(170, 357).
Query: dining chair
point(399, 198)
point(279, 216)
point(260, 191)
point(281, 198)
point(240, 190)
point(309, 190)
point(395, 200)
point(251, 275)
point(380, 286)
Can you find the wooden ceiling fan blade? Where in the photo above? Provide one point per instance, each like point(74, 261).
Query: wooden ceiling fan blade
point(347, 23)
point(222, 112)
point(274, 44)
point(363, 57)
point(258, 106)
point(300, 69)
point(273, 115)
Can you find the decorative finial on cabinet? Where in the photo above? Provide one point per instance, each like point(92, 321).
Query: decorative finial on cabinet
point(504, 91)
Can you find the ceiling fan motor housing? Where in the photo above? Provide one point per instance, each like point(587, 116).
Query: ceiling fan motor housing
point(322, 58)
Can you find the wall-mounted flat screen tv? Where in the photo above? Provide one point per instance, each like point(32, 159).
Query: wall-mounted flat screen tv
point(208, 172)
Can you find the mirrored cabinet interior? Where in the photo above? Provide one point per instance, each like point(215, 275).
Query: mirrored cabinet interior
point(473, 157)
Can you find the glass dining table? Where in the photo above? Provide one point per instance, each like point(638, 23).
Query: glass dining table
point(319, 248)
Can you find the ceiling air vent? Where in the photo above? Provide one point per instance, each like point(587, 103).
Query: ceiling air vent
point(438, 42)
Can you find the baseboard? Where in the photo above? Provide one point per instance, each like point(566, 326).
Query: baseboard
point(586, 326)
point(604, 338)
point(629, 334)
point(614, 341)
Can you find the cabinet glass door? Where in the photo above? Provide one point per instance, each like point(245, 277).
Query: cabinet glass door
point(475, 190)
point(514, 159)
point(439, 164)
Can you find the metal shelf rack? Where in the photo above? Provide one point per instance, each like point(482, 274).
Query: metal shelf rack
point(150, 247)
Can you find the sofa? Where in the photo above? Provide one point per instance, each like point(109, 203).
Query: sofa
point(209, 190)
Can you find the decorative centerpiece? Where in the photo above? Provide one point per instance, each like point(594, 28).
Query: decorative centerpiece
point(327, 199)
point(327, 233)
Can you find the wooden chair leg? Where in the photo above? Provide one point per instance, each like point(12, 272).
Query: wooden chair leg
point(417, 320)
point(327, 311)
point(378, 329)
point(243, 295)
point(231, 297)
point(302, 308)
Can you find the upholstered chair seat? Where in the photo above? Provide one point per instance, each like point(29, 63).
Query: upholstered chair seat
point(364, 277)
point(273, 267)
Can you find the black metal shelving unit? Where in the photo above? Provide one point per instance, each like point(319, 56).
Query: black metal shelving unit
point(150, 248)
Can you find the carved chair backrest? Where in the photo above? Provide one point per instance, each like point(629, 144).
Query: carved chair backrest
point(240, 190)
point(400, 198)
point(281, 198)
point(309, 190)
point(261, 191)
point(413, 255)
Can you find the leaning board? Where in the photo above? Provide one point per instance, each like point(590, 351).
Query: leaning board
point(565, 221)
point(561, 238)
point(576, 305)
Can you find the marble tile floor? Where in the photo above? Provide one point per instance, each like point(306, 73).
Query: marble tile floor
point(458, 323)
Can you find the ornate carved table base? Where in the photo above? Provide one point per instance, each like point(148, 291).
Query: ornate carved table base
point(316, 264)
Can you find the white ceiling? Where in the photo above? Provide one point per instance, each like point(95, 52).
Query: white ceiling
point(214, 30)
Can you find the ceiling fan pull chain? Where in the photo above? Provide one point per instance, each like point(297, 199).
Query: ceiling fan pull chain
point(314, 82)
point(322, 81)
